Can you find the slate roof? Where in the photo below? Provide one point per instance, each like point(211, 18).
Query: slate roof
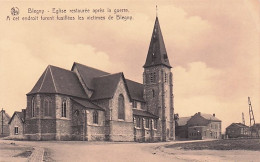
point(240, 125)
point(105, 86)
point(87, 104)
point(157, 54)
point(61, 81)
point(136, 90)
point(88, 74)
point(19, 114)
point(144, 113)
point(183, 121)
point(58, 80)
point(208, 117)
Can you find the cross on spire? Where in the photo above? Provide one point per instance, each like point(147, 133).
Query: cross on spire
point(156, 11)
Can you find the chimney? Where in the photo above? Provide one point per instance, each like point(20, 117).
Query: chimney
point(214, 115)
point(199, 113)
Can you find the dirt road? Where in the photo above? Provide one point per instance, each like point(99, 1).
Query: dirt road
point(133, 152)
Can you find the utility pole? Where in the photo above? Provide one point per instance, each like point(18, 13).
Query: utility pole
point(2, 121)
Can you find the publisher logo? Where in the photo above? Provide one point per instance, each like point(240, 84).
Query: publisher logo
point(15, 11)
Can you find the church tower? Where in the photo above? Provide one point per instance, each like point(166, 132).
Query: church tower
point(158, 87)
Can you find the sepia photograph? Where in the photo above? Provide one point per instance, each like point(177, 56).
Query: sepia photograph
point(130, 81)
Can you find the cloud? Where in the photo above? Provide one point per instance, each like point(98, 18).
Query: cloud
point(20, 68)
point(197, 89)
point(197, 79)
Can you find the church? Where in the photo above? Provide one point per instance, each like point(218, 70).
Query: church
point(88, 104)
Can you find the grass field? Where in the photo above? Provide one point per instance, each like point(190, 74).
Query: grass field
point(228, 144)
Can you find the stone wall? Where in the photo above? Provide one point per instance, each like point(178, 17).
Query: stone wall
point(16, 122)
point(40, 126)
point(121, 130)
point(159, 96)
point(63, 124)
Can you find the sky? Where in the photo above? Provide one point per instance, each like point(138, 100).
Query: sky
point(213, 47)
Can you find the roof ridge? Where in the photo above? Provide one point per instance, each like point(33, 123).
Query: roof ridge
point(52, 66)
point(89, 67)
point(133, 81)
point(109, 75)
point(43, 78)
point(53, 79)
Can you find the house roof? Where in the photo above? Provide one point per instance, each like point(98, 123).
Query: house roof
point(208, 116)
point(105, 86)
point(240, 125)
point(20, 115)
point(144, 113)
point(157, 54)
point(58, 80)
point(87, 104)
point(136, 90)
point(88, 74)
point(183, 121)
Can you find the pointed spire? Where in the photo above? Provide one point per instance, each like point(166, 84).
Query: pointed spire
point(157, 54)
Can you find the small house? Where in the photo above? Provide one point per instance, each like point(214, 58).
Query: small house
point(16, 124)
point(181, 128)
point(236, 130)
point(204, 126)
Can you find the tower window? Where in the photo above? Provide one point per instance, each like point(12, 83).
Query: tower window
point(165, 77)
point(64, 109)
point(152, 77)
point(95, 117)
point(153, 93)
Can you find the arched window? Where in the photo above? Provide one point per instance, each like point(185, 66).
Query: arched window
point(64, 109)
point(33, 107)
point(153, 93)
point(95, 117)
point(121, 107)
point(47, 106)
